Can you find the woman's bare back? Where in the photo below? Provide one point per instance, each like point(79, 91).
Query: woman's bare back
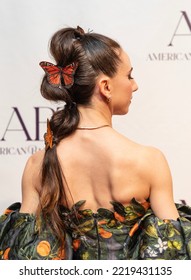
point(102, 165)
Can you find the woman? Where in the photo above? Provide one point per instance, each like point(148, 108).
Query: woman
point(93, 193)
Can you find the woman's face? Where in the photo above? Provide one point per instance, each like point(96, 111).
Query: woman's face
point(123, 86)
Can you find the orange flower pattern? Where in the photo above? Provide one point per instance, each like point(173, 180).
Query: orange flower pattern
point(20, 239)
point(127, 232)
point(6, 254)
point(43, 248)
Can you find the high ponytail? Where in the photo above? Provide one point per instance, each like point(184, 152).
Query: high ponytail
point(91, 54)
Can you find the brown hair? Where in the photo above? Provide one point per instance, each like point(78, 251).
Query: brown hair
point(94, 54)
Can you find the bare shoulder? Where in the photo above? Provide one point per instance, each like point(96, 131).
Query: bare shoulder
point(155, 161)
point(33, 163)
point(156, 157)
point(148, 153)
point(161, 189)
point(31, 179)
point(146, 158)
point(153, 153)
point(33, 166)
point(156, 168)
point(149, 159)
point(36, 157)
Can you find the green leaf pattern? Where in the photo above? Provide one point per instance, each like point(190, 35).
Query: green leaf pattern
point(126, 232)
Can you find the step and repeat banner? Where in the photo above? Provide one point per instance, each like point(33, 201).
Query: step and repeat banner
point(157, 37)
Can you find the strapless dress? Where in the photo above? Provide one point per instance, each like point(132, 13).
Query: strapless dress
point(130, 232)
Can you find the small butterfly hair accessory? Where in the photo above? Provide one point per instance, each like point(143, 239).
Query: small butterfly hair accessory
point(48, 137)
point(59, 76)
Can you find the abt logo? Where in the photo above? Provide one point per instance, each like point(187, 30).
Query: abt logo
point(16, 115)
point(185, 22)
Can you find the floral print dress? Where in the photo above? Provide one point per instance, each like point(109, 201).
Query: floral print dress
point(127, 232)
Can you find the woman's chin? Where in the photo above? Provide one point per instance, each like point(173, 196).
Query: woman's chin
point(123, 111)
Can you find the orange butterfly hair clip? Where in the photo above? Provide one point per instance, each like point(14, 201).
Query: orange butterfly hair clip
point(48, 137)
point(58, 76)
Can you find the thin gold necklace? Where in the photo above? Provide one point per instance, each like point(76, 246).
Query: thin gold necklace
point(92, 128)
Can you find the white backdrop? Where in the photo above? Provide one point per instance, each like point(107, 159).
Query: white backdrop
point(160, 113)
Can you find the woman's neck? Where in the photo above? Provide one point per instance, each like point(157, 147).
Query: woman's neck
point(93, 117)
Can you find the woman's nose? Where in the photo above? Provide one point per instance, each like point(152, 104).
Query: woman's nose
point(135, 86)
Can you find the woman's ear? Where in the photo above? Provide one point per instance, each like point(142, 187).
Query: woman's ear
point(105, 87)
